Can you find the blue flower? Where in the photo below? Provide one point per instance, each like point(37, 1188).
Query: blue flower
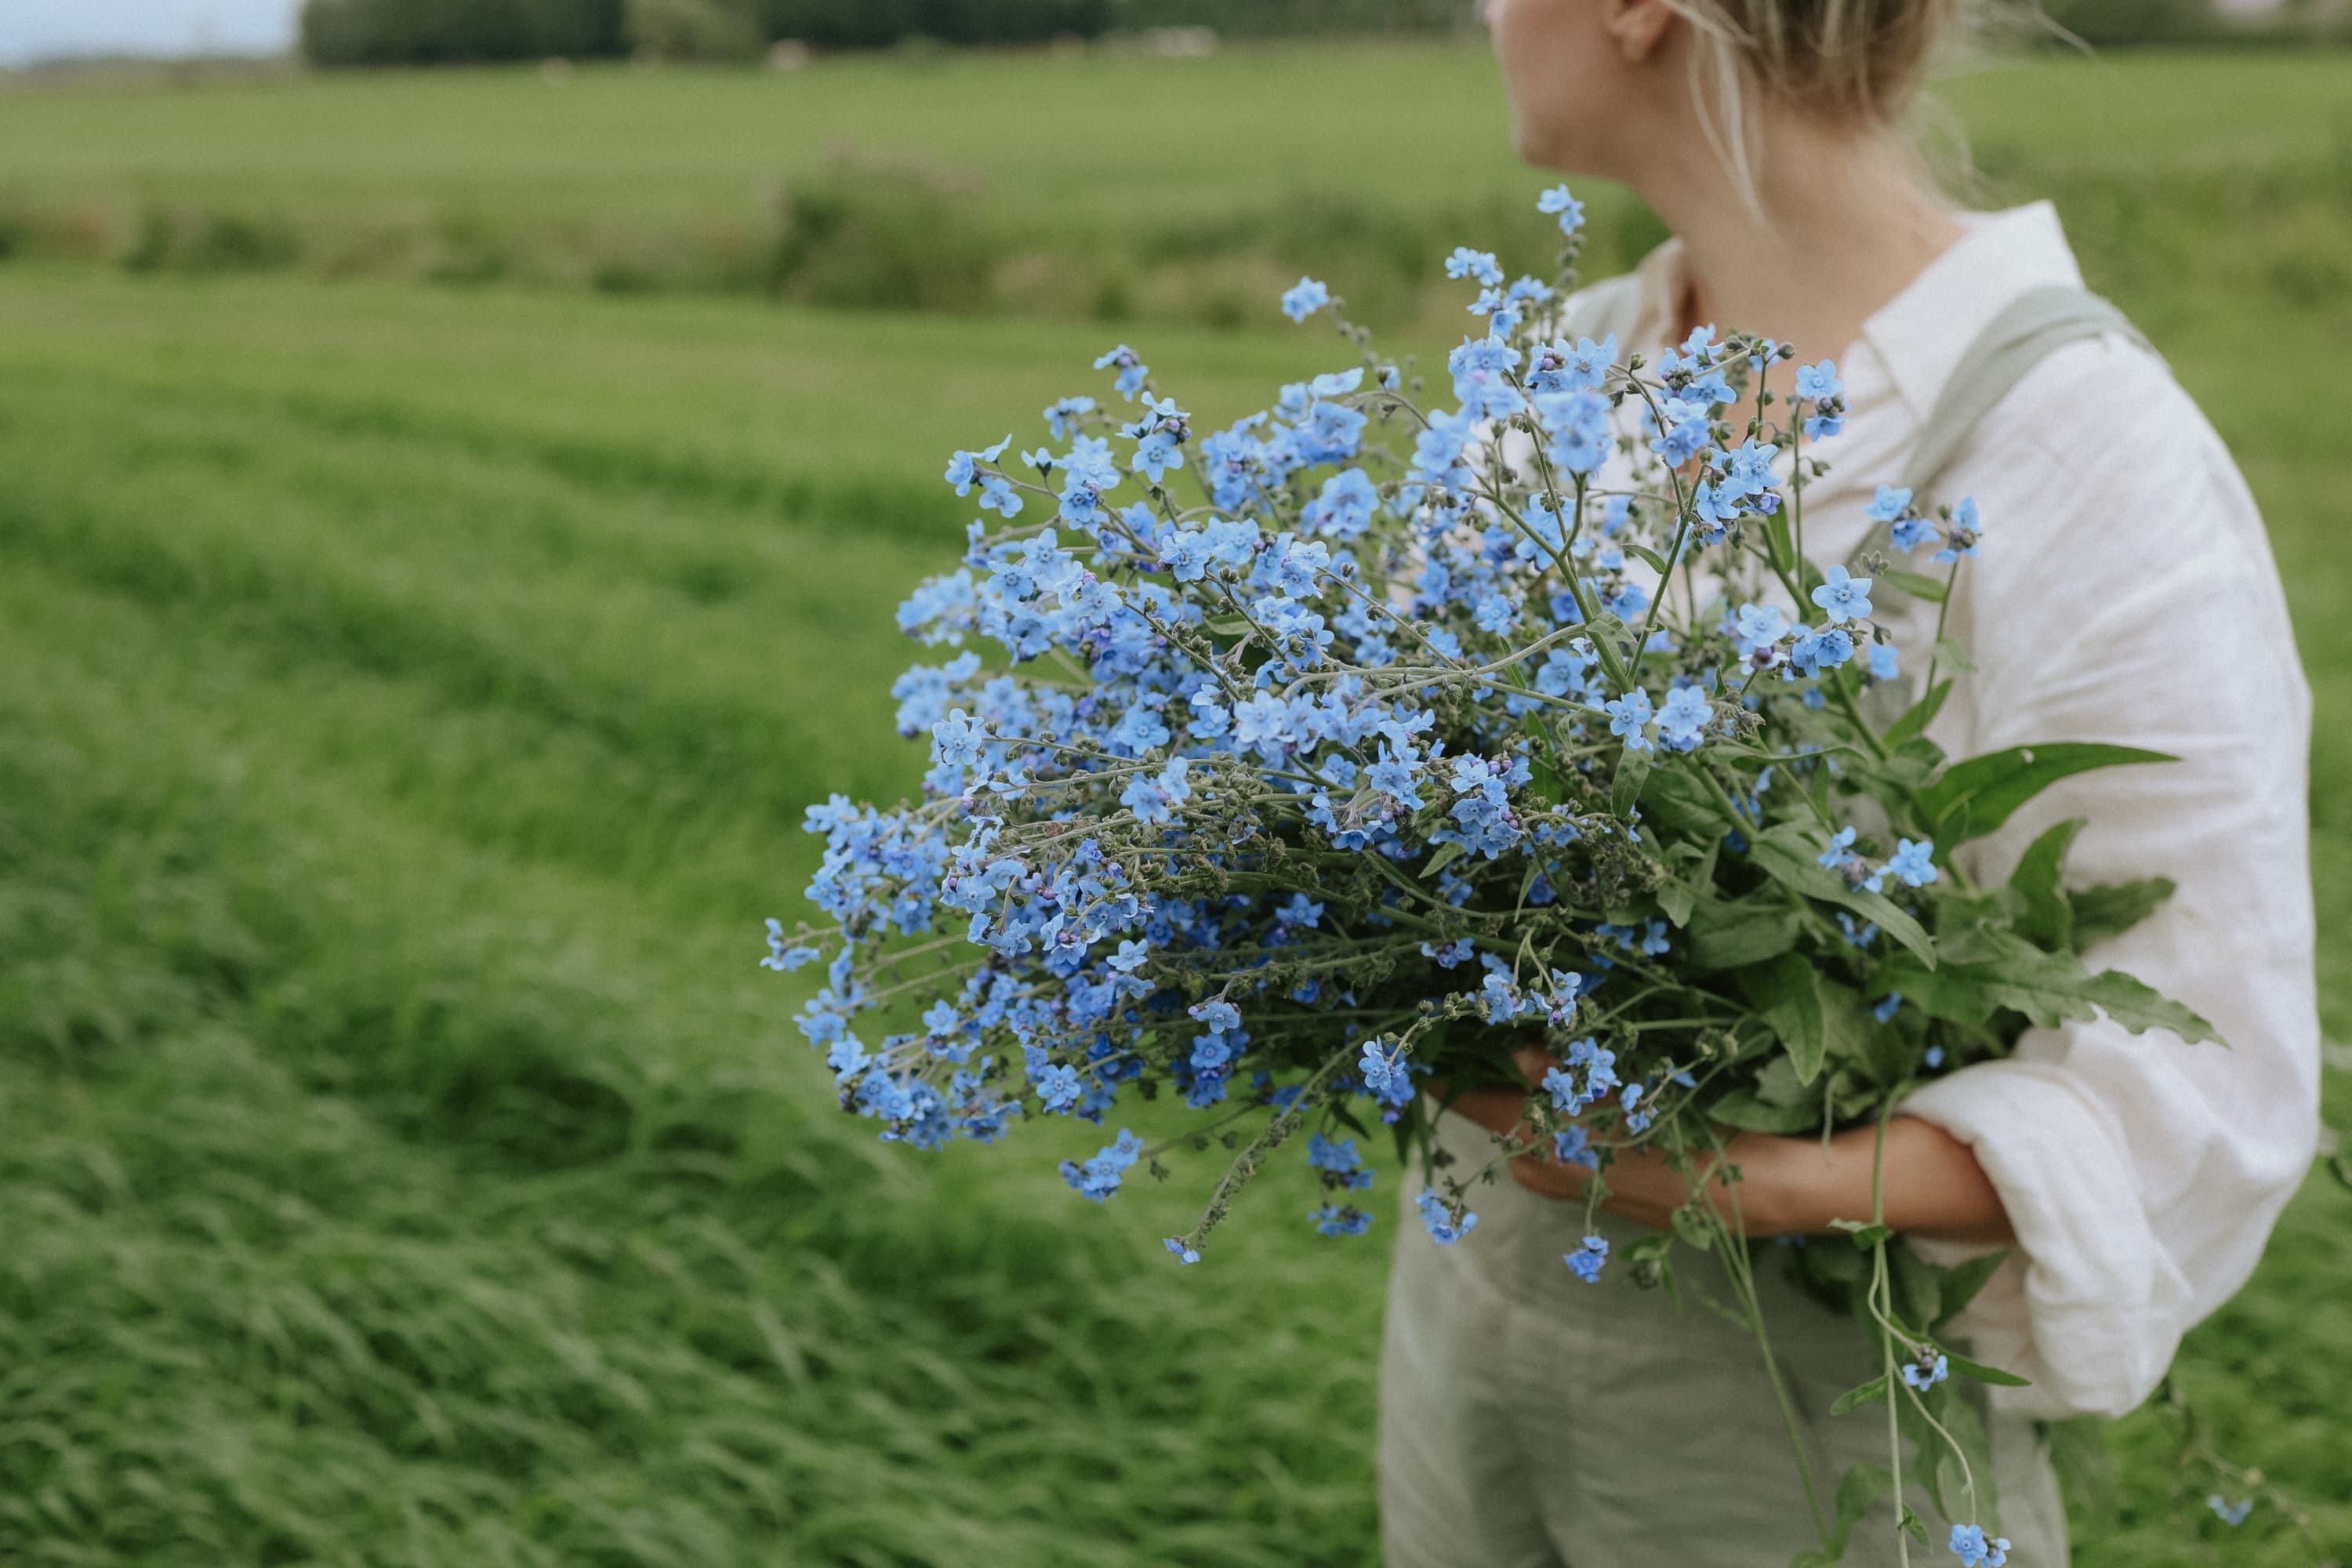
point(956, 741)
point(1478, 265)
point(1628, 716)
point(1100, 1177)
point(1132, 371)
point(997, 494)
point(1573, 1146)
point(1384, 1070)
point(963, 467)
point(1883, 665)
point(782, 958)
point(1839, 851)
point(1934, 1057)
point(2229, 1513)
point(1184, 1254)
point(1845, 597)
point(1305, 300)
point(1683, 722)
point(1341, 1219)
point(1930, 1369)
point(1063, 417)
point(1889, 505)
point(1558, 202)
point(1588, 1260)
point(1961, 532)
point(1887, 1007)
point(1914, 863)
point(1820, 383)
point(1974, 1551)
point(1443, 1228)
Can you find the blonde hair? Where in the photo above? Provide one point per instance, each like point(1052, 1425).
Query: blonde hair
point(1861, 60)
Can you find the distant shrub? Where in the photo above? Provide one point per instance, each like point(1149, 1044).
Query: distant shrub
point(1272, 16)
point(2118, 22)
point(430, 32)
point(872, 24)
point(883, 237)
point(692, 30)
point(185, 240)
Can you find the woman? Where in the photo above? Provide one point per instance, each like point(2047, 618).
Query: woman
point(2124, 592)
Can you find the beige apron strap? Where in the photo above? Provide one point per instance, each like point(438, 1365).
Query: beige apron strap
point(2034, 325)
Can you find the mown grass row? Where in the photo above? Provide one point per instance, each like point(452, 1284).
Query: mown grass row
point(406, 704)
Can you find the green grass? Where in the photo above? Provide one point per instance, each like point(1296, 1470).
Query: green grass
point(407, 699)
point(1109, 187)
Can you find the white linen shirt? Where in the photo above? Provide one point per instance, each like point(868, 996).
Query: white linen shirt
point(2124, 592)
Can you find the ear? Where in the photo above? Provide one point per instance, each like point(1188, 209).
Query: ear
point(1639, 26)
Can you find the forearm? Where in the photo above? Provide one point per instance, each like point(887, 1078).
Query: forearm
point(1933, 1186)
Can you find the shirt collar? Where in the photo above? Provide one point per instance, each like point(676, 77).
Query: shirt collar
point(1923, 332)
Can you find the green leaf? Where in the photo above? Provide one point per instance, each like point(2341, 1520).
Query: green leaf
point(1692, 1226)
point(1741, 1109)
point(2087, 1469)
point(1976, 798)
point(1229, 626)
point(1953, 655)
point(2049, 917)
point(1655, 562)
point(1922, 714)
point(1612, 633)
point(1446, 855)
point(1963, 1367)
point(1734, 935)
point(1961, 1283)
point(1787, 991)
point(1633, 772)
point(1853, 1399)
point(1948, 1479)
point(1680, 801)
point(1918, 585)
point(1863, 1233)
point(2101, 913)
point(2049, 988)
point(1789, 854)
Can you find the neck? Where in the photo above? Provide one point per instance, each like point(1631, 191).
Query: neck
point(1846, 225)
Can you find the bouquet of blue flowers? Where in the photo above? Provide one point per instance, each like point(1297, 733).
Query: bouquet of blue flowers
point(1340, 752)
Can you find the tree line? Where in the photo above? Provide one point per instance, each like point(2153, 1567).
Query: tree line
point(426, 32)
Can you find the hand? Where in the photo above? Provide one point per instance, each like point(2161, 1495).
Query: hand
point(1932, 1184)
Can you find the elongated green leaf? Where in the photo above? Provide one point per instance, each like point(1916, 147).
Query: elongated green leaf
point(1651, 558)
point(1918, 585)
point(1963, 1367)
point(1742, 1109)
point(1446, 855)
point(1787, 991)
point(1862, 1486)
point(1960, 1284)
point(2087, 1469)
point(2049, 988)
point(1790, 856)
point(1677, 800)
point(1732, 936)
point(2112, 911)
point(1948, 1479)
point(1922, 714)
point(2049, 917)
point(1633, 772)
point(1853, 1399)
point(1976, 798)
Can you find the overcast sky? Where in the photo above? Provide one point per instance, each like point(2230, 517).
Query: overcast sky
point(40, 29)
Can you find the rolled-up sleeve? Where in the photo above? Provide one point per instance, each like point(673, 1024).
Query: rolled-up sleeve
point(2126, 593)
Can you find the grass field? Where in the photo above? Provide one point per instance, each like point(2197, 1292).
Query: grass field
point(407, 699)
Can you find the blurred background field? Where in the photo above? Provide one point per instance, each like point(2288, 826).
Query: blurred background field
point(449, 531)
